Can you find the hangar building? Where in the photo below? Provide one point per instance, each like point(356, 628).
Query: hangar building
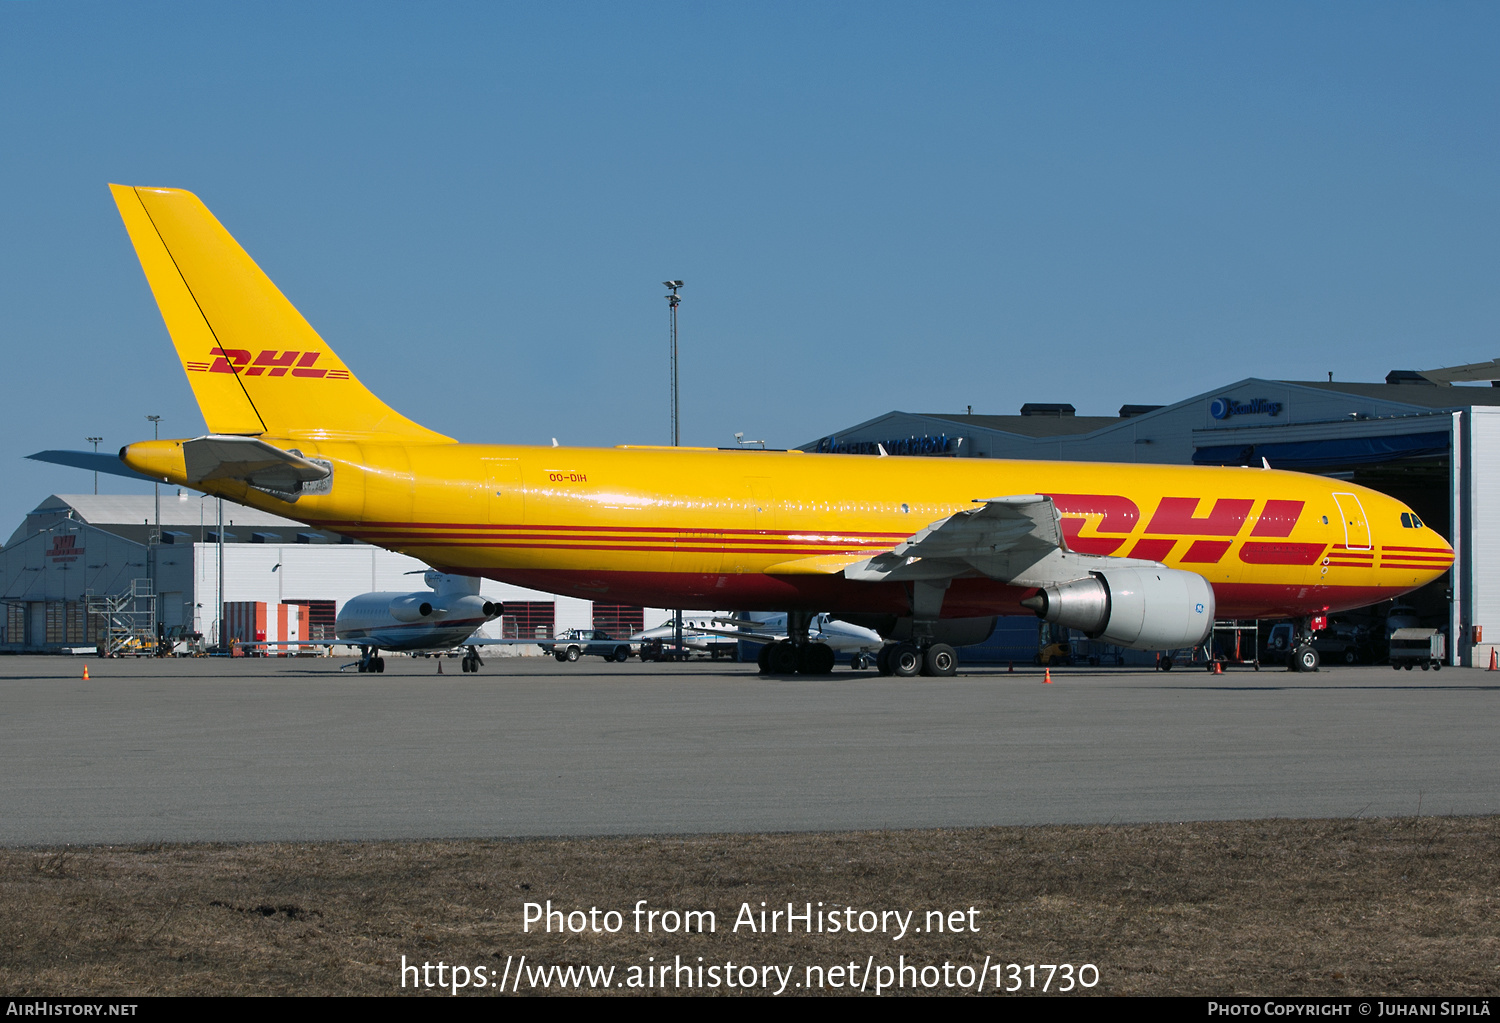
point(1418, 437)
point(77, 559)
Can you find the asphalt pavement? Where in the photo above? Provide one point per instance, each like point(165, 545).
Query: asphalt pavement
point(293, 749)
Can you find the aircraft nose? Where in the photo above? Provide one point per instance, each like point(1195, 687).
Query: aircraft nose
point(1415, 545)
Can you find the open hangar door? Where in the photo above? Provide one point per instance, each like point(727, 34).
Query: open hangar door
point(1416, 467)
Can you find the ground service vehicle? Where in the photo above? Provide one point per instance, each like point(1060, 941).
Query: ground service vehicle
point(575, 643)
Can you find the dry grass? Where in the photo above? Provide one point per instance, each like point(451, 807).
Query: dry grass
point(1403, 906)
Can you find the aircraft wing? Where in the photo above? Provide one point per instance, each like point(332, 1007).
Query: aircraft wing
point(729, 632)
point(482, 641)
point(1016, 539)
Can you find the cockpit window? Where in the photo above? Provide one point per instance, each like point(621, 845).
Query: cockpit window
point(1406, 520)
point(1416, 522)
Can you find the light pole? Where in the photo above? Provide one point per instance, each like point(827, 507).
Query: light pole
point(95, 441)
point(673, 301)
point(153, 551)
point(156, 435)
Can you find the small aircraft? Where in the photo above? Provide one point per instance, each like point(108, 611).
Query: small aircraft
point(778, 655)
point(699, 636)
point(441, 617)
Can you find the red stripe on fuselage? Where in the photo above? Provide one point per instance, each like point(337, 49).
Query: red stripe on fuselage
point(965, 598)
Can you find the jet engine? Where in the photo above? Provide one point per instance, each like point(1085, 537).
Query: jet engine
point(1139, 608)
point(425, 607)
point(414, 608)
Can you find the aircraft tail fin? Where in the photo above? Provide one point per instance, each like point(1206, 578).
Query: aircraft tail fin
point(255, 364)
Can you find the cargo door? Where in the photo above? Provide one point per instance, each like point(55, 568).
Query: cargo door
point(506, 498)
point(1356, 526)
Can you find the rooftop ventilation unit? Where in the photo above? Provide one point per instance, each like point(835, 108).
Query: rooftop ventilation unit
point(1042, 408)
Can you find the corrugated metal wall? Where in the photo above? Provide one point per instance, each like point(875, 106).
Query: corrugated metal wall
point(1482, 530)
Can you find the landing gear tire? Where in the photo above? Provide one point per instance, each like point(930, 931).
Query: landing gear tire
point(940, 661)
point(1305, 659)
point(783, 659)
point(883, 660)
point(906, 661)
point(764, 658)
point(379, 665)
point(815, 659)
point(1165, 664)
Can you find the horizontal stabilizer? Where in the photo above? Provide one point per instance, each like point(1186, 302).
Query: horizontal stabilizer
point(93, 461)
point(263, 466)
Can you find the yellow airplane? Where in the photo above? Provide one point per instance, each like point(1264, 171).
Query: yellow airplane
point(927, 550)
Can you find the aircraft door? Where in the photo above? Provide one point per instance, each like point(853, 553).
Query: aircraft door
point(761, 515)
point(760, 497)
point(506, 497)
point(1356, 526)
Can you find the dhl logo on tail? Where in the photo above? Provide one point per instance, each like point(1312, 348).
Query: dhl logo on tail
point(270, 361)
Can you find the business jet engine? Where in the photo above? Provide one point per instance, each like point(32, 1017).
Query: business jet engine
point(1139, 608)
point(417, 607)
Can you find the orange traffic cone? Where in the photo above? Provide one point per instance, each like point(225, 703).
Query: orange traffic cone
point(1494, 662)
point(86, 670)
point(1218, 668)
point(1047, 677)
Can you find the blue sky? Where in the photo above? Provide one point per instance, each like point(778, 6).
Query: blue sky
point(874, 206)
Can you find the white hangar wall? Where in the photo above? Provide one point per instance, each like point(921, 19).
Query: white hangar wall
point(275, 573)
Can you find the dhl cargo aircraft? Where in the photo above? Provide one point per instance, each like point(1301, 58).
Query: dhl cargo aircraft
point(927, 550)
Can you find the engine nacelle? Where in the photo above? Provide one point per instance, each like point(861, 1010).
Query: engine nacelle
point(1139, 608)
point(413, 608)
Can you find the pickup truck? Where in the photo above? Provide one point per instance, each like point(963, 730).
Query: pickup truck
point(575, 643)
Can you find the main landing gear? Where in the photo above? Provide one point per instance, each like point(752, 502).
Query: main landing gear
point(370, 660)
point(471, 661)
point(907, 660)
point(922, 654)
point(796, 654)
point(786, 658)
